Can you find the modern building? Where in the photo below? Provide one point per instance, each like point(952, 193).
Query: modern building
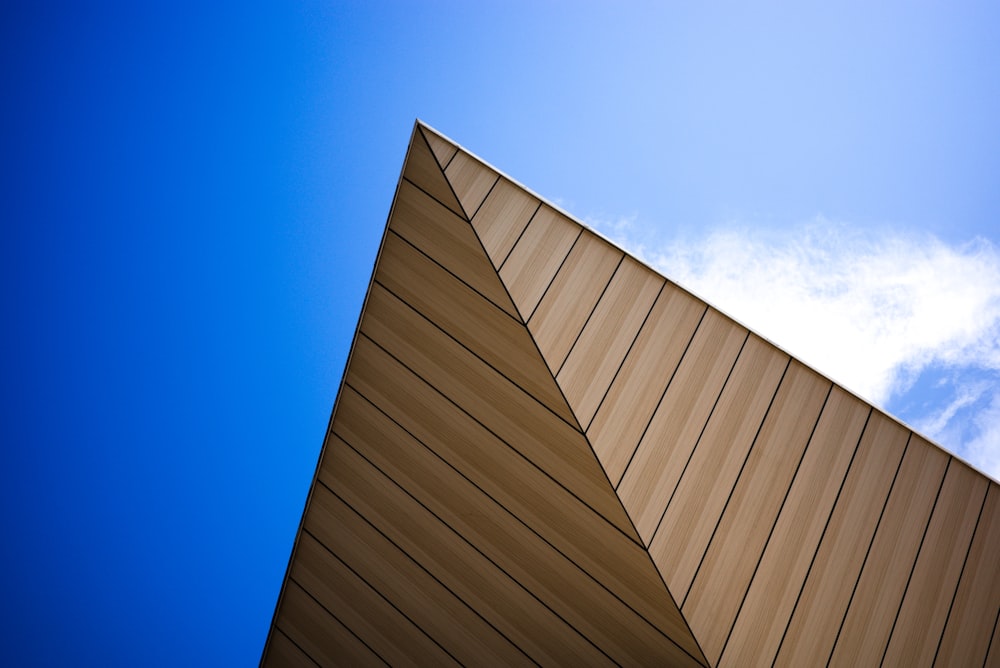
point(544, 452)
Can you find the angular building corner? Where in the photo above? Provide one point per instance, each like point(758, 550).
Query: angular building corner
point(545, 453)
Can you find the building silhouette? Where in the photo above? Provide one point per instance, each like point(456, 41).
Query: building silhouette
point(544, 452)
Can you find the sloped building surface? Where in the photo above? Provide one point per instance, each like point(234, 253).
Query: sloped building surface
point(545, 453)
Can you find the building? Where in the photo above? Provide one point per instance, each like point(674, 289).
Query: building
point(543, 452)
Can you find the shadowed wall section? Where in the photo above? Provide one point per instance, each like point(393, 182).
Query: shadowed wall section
point(543, 452)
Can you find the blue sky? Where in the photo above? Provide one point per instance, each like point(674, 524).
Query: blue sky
point(192, 199)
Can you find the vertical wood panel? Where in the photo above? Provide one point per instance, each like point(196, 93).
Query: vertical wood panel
point(625, 411)
point(782, 570)
point(322, 636)
point(574, 529)
point(571, 297)
point(537, 256)
point(443, 149)
point(513, 415)
point(599, 352)
point(478, 325)
point(879, 591)
point(502, 218)
point(423, 170)
point(977, 602)
point(729, 563)
point(444, 616)
point(652, 475)
point(693, 512)
point(471, 180)
point(362, 609)
point(453, 561)
point(921, 619)
point(824, 597)
point(560, 584)
point(448, 240)
point(283, 653)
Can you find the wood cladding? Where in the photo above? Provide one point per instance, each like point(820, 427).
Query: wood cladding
point(544, 453)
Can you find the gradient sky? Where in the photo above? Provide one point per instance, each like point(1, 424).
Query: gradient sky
point(193, 195)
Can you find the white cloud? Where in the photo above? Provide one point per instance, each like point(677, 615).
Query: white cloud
point(870, 309)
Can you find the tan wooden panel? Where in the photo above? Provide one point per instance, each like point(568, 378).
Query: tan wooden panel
point(571, 297)
point(782, 569)
point(537, 256)
point(471, 180)
point(448, 240)
point(442, 148)
point(322, 636)
point(652, 475)
point(977, 602)
point(935, 576)
point(448, 619)
point(478, 325)
point(502, 218)
point(514, 416)
point(284, 653)
point(549, 509)
point(606, 338)
point(449, 558)
point(692, 514)
point(360, 608)
point(561, 585)
point(422, 169)
point(823, 600)
point(732, 556)
point(879, 591)
point(623, 415)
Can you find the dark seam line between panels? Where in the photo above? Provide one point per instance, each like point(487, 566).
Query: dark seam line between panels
point(590, 315)
point(819, 544)
point(476, 355)
point(708, 420)
point(383, 596)
point(482, 554)
point(909, 577)
point(488, 193)
point(440, 168)
point(552, 280)
point(622, 363)
point(339, 621)
point(453, 275)
point(447, 141)
point(774, 524)
point(460, 216)
point(871, 541)
point(965, 562)
point(415, 563)
point(516, 517)
point(659, 401)
point(499, 267)
point(989, 645)
point(736, 482)
point(490, 431)
point(291, 640)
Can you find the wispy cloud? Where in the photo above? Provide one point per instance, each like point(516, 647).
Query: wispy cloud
point(872, 309)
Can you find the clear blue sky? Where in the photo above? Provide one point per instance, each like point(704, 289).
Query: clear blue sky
point(192, 196)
